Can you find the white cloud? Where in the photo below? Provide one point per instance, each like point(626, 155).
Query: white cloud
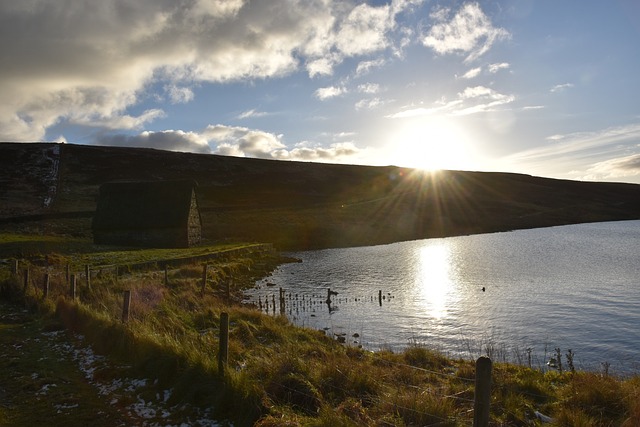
point(369, 88)
point(173, 140)
point(364, 30)
point(469, 32)
point(334, 153)
point(245, 142)
point(242, 141)
point(325, 93)
point(494, 68)
point(369, 104)
point(179, 95)
point(96, 59)
point(472, 100)
point(618, 146)
point(562, 87)
point(620, 167)
point(252, 113)
point(472, 73)
point(366, 66)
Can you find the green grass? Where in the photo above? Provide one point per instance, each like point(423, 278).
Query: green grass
point(280, 374)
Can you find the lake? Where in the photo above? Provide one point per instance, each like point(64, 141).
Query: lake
point(515, 295)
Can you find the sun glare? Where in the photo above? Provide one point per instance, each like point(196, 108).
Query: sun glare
point(435, 282)
point(431, 144)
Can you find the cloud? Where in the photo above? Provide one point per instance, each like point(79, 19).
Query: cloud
point(472, 73)
point(366, 66)
point(334, 153)
point(494, 68)
point(621, 167)
point(325, 93)
point(369, 104)
point(173, 140)
point(369, 88)
point(364, 30)
point(469, 32)
point(471, 100)
point(78, 61)
point(619, 145)
point(179, 95)
point(562, 87)
point(245, 142)
point(252, 113)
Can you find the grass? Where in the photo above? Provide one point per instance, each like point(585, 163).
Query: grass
point(279, 374)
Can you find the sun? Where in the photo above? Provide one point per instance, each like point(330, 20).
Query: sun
point(431, 144)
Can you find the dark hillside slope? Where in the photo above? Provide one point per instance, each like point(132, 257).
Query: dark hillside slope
point(300, 205)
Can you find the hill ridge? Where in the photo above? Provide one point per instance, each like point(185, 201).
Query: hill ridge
point(300, 205)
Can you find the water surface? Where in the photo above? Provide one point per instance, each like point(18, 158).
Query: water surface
point(572, 287)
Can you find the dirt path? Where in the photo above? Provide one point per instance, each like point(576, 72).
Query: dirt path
point(50, 377)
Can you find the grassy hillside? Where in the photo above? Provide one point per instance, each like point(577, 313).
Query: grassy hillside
point(299, 205)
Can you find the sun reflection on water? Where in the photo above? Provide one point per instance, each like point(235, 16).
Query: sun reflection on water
point(436, 287)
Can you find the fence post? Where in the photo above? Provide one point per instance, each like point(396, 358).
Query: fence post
point(14, 267)
point(482, 397)
point(87, 271)
point(204, 278)
point(45, 287)
point(223, 353)
point(72, 291)
point(26, 279)
point(125, 306)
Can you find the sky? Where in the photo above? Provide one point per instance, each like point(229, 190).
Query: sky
point(548, 88)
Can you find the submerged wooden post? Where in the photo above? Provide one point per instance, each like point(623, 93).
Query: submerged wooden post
point(72, 290)
point(281, 298)
point(482, 397)
point(125, 306)
point(87, 272)
point(223, 352)
point(45, 287)
point(380, 298)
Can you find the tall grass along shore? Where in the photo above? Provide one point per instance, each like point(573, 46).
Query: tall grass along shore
point(275, 374)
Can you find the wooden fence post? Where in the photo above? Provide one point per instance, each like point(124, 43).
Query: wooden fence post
point(87, 271)
point(204, 278)
point(14, 267)
point(125, 306)
point(73, 290)
point(223, 352)
point(45, 287)
point(482, 397)
point(26, 279)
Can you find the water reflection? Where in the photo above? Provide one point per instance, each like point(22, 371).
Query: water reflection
point(435, 284)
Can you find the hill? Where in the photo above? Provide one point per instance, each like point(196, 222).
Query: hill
point(52, 188)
